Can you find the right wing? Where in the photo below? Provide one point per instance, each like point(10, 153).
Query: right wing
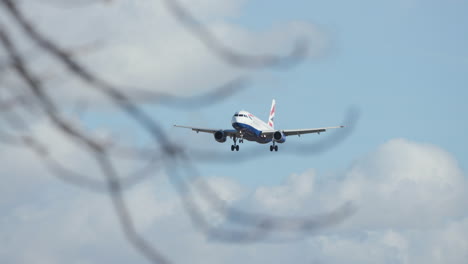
point(290, 132)
point(298, 132)
point(227, 132)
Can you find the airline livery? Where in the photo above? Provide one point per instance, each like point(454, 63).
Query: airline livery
point(249, 127)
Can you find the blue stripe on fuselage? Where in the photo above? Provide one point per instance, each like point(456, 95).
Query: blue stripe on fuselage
point(250, 133)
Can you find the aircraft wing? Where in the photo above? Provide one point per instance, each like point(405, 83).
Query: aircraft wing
point(290, 132)
point(227, 132)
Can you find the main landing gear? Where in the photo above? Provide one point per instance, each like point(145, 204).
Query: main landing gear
point(273, 147)
point(235, 146)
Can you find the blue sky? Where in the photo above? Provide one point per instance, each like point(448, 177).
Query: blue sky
point(403, 64)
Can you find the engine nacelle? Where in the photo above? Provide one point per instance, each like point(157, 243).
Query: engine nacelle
point(220, 136)
point(279, 137)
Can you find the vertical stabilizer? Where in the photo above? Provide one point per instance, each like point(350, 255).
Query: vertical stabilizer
point(271, 118)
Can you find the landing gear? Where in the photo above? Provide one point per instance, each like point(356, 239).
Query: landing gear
point(273, 147)
point(235, 146)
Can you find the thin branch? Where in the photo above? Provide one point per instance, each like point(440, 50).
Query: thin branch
point(235, 58)
point(121, 208)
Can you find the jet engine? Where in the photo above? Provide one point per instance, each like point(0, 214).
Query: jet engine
point(220, 136)
point(279, 137)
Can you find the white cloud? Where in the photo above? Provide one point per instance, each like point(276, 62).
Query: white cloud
point(139, 44)
point(288, 197)
point(410, 197)
point(411, 201)
point(226, 190)
point(406, 185)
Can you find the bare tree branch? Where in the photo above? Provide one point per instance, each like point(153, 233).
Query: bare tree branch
point(241, 225)
point(230, 56)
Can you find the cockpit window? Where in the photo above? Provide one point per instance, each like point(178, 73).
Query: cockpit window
point(236, 115)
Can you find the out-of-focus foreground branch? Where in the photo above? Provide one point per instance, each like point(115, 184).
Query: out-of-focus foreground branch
point(164, 154)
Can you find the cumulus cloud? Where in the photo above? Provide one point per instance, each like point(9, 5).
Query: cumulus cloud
point(411, 209)
point(141, 45)
point(411, 197)
point(406, 184)
point(289, 197)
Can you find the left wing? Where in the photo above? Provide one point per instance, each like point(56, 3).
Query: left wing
point(227, 132)
point(290, 132)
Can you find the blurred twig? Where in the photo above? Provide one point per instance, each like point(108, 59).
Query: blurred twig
point(230, 56)
point(163, 153)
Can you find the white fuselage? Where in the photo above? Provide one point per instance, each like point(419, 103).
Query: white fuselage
point(251, 127)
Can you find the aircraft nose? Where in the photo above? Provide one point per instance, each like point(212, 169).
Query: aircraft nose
point(235, 119)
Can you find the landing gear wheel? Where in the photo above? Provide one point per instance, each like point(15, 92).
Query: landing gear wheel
point(276, 148)
point(235, 146)
point(271, 148)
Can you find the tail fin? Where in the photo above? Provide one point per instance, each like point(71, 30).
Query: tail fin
point(272, 114)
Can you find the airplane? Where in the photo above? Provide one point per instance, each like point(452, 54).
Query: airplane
point(249, 127)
